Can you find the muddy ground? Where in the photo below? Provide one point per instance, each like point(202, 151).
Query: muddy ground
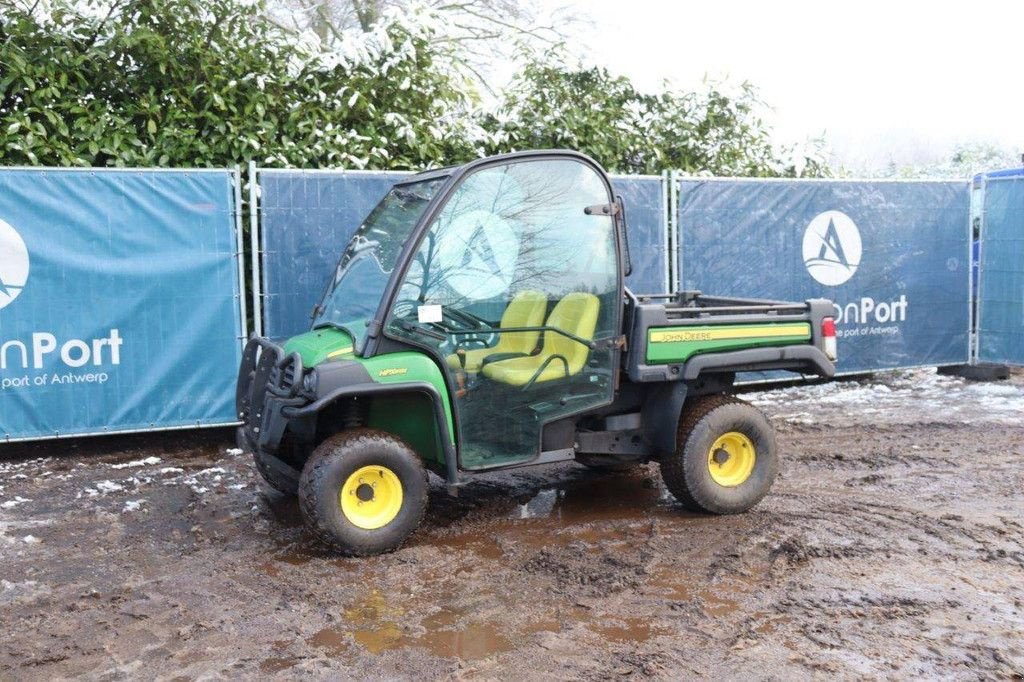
point(892, 545)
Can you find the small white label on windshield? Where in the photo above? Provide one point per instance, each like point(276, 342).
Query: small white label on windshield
point(429, 313)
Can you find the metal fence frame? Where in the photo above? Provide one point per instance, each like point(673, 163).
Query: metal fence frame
point(672, 244)
point(672, 241)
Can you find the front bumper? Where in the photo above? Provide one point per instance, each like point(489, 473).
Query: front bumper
point(268, 381)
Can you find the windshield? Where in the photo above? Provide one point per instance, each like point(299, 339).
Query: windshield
point(354, 294)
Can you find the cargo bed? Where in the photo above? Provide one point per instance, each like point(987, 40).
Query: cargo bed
point(679, 336)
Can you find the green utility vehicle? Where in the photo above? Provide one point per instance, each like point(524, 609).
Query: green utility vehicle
point(477, 321)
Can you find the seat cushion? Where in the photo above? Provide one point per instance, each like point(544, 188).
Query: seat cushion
point(519, 371)
point(474, 358)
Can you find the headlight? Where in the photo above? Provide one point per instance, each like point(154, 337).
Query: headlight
point(309, 383)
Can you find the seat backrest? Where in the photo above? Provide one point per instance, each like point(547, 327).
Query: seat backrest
point(526, 309)
point(576, 313)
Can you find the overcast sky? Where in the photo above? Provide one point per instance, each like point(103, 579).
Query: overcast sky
point(899, 78)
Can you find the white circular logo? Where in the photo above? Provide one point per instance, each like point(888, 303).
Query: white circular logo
point(13, 264)
point(477, 253)
point(832, 248)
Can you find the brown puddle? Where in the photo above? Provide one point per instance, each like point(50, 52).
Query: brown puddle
point(375, 626)
point(475, 640)
point(719, 598)
point(376, 640)
point(624, 630)
point(335, 641)
point(486, 547)
point(611, 497)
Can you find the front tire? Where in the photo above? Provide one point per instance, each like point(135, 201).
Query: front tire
point(726, 459)
point(363, 492)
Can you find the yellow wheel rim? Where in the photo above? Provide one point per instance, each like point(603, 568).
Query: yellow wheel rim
point(371, 497)
point(731, 459)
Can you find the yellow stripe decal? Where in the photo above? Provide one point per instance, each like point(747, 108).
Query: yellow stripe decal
point(340, 351)
point(766, 332)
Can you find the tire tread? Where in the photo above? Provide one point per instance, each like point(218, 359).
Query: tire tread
point(312, 480)
point(673, 468)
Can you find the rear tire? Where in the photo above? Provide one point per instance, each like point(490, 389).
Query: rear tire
point(726, 460)
point(363, 492)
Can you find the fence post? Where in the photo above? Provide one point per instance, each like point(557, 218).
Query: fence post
point(666, 229)
point(255, 250)
point(675, 232)
point(240, 253)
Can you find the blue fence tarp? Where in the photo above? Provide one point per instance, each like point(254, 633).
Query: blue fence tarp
point(307, 218)
point(893, 256)
point(119, 301)
point(1001, 288)
point(646, 215)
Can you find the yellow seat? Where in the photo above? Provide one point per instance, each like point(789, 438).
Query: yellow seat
point(576, 313)
point(526, 309)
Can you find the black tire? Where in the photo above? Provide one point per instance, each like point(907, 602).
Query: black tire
point(272, 473)
point(687, 473)
point(599, 463)
point(331, 465)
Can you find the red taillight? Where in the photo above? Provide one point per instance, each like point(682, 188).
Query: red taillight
point(828, 337)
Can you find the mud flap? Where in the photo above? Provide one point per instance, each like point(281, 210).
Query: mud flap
point(279, 467)
point(661, 411)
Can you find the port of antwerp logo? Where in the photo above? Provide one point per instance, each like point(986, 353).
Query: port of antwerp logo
point(832, 248)
point(13, 264)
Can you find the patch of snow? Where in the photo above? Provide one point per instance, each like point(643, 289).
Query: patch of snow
point(171, 470)
point(31, 540)
point(898, 397)
point(109, 487)
point(149, 461)
point(233, 451)
point(11, 504)
point(132, 505)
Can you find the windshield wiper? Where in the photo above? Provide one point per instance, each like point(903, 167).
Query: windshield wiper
point(410, 327)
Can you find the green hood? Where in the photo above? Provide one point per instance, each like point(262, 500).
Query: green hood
point(319, 345)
